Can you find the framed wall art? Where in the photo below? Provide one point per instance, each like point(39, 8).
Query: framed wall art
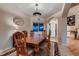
point(71, 20)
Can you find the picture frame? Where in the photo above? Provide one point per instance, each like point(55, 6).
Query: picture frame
point(71, 20)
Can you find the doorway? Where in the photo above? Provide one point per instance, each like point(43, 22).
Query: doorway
point(53, 27)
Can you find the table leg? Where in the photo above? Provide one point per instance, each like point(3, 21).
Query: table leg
point(37, 50)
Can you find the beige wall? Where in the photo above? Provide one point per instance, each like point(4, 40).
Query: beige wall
point(74, 11)
point(7, 27)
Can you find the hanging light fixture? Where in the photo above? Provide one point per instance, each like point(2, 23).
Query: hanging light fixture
point(37, 14)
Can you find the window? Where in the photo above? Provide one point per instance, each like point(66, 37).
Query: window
point(38, 27)
point(41, 27)
point(35, 27)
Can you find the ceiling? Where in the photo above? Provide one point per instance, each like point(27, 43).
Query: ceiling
point(27, 9)
point(74, 4)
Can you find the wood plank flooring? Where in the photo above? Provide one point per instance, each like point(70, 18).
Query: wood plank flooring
point(73, 45)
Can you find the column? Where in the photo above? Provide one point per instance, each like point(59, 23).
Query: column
point(62, 31)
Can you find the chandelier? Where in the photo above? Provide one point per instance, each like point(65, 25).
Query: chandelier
point(37, 14)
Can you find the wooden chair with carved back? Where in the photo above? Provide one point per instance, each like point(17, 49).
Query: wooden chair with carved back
point(20, 44)
point(48, 44)
point(31, 33)
point(45, 46)
point(49, 36)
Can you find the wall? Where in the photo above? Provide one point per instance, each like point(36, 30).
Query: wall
point(74, 11)
point(7, 28)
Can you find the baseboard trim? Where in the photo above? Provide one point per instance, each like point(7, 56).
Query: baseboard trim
point(7, 52)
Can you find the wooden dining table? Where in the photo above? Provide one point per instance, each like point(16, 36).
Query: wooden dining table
point(35, 41)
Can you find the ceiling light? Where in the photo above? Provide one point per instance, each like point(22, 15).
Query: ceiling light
point(37, 14)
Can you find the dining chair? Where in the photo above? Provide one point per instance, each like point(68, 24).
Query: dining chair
point(45, 46)
point(49, 43)
point(31, 33)
point(25, 33)
point(20, 44)
point(44, 34)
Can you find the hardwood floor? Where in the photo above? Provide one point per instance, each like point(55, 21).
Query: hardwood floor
point(73, 45)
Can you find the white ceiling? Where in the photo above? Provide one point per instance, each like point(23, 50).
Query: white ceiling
point(27, 9)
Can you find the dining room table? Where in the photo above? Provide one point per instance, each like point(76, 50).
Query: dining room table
point(35, 41)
